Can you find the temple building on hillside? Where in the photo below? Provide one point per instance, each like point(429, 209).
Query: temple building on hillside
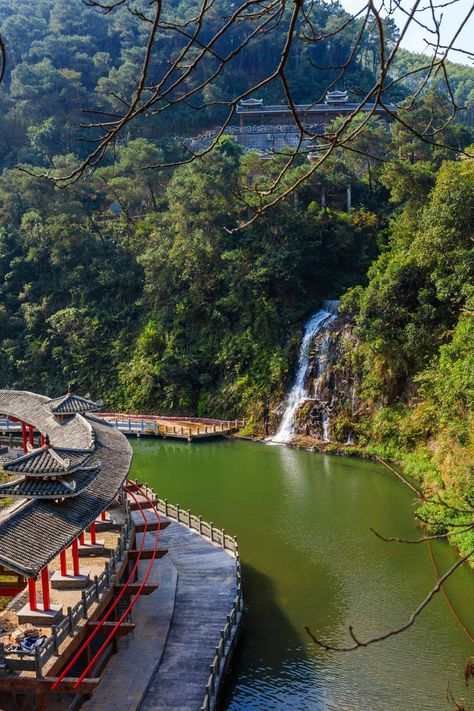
point(253, 111)
point(267, 129)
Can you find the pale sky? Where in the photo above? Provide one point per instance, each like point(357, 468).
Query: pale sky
point(452, 17)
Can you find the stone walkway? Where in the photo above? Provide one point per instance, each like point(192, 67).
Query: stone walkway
point(165, 664)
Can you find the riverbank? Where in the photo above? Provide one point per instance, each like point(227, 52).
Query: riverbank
point(311, 444)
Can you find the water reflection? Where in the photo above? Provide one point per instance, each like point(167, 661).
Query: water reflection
point(295, 478)
point(259, 682)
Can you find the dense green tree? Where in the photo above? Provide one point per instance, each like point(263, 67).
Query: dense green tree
point(134, 282)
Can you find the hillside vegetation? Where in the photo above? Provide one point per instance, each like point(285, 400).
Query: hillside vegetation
point(134, 285)
point(415, 355)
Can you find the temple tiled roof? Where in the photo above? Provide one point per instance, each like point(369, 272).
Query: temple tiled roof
point(48, 461)
point(71, 404)
point(32, 488)
point(33, 532)
point(75, 433)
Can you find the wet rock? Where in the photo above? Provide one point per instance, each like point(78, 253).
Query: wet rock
point(331, 384)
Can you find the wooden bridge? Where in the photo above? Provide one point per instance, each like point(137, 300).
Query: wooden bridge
point(187, 428)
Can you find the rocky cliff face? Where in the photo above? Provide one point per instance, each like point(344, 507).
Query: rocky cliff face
point(326, 414)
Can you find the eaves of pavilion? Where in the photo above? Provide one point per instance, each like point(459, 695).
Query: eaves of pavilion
point(35, 531)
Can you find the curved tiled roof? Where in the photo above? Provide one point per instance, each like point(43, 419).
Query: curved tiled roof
point(29, 488)
point(49, 461)
point(71, 404)
point(75, 432)
point(34, 532)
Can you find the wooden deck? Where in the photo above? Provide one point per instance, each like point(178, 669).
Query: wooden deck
point(165, 663)
point(189, 429)
point(155, 426)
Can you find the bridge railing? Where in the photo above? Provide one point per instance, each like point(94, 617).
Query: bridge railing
point(166, 418)
point(186, 427)
point(7, 425)
point(256, 128)
point(229, 633)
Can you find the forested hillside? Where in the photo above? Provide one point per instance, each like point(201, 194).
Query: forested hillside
point(132, 284)
point(67, 57)
point(414, 322)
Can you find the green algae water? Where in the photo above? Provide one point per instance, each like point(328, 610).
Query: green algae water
point(309, 558)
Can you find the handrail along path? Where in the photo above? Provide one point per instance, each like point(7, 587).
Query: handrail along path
point(121, 593)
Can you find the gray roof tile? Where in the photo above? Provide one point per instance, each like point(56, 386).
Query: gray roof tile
point(33, 533)
point(72, 404)
point(34, 488)
point(49, 461)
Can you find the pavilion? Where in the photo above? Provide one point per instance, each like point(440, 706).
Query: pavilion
point(62, 625)
point(73, 468)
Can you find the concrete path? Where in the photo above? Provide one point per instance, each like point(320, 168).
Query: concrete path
point(166, 663)
point(129, 672)
point(205, 593)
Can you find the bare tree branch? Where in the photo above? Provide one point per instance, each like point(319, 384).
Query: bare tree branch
point(423, 539)
point(359, 644)
point(207, 44)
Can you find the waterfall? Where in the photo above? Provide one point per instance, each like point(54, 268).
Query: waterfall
point(353, 398)
point(321, 364)
point(298, 392)
point(325, 424)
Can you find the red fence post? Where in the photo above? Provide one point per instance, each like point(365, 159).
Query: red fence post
point(45, 588)
point(75, 558)
point(24, 437)
point(62, 557)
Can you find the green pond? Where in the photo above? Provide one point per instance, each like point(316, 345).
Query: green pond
point(309, 558)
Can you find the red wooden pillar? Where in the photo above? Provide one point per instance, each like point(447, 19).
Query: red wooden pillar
point(75, 558)
point(31, 430)
point(62, 558)
point(41, 439)
point(32, 594)
point(81, 539)
point(103, 516)
point(45, 588)
point(92, 532)
point(24, 437)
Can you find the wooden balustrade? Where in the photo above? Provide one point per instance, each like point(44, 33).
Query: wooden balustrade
point(25, 661)
point(180, 427)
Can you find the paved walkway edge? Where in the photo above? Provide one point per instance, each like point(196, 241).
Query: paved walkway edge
point(186, 632)
point(129, 673)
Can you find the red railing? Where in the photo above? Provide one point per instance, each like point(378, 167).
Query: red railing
point(122, 592)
